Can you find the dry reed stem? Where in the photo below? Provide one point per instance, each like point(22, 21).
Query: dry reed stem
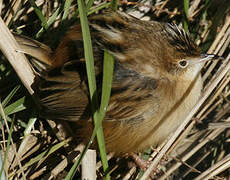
point(130, 173)
point(209, 105)
point(217, 44)
point(9, 47)
point(192, 8)
point(216, 168)
point(212, 135)
point(11, 11)
point(89, 165)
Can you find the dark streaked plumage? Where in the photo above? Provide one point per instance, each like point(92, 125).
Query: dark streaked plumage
point(156, 79)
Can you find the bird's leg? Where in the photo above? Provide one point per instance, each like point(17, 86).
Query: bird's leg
point(143, 164)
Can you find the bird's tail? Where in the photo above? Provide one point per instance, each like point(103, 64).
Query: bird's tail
point(41, 54)
point(43, 58)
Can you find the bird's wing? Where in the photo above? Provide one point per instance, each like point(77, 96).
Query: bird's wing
point(63, 91)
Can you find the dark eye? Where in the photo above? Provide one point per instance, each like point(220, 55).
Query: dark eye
point(183, 64)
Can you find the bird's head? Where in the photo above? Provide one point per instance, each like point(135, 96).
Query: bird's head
point(182, 56)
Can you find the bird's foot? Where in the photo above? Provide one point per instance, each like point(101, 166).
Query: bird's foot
point(143, 164)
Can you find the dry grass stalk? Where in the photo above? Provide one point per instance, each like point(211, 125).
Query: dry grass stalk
point(9, 47)
point(89, 165)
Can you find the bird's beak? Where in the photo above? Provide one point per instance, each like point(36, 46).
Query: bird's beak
point(206, 57)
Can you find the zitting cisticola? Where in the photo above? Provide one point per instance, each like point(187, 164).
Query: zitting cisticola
point(156, 79)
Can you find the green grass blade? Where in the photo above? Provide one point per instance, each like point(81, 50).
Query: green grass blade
point(66, 9)
point(42, 156)
point(9, 97)
point(29, 126)
point(204, 14)
point(98, 117)
point(73, 170)
point(186, 9)
point(15, 107)
point(39, 14)
point(88, 51)
point(106, 91)
point(114, 5)
point(49, 22)
point(89, 5)
point(98, 7)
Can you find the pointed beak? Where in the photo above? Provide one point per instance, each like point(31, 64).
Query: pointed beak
point(206, 57)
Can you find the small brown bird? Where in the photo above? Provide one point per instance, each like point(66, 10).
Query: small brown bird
point(156, 78)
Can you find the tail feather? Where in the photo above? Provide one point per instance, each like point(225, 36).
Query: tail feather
point(45, 56)
point(35, 49)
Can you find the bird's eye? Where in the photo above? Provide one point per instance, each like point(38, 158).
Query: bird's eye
point(183, 63)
